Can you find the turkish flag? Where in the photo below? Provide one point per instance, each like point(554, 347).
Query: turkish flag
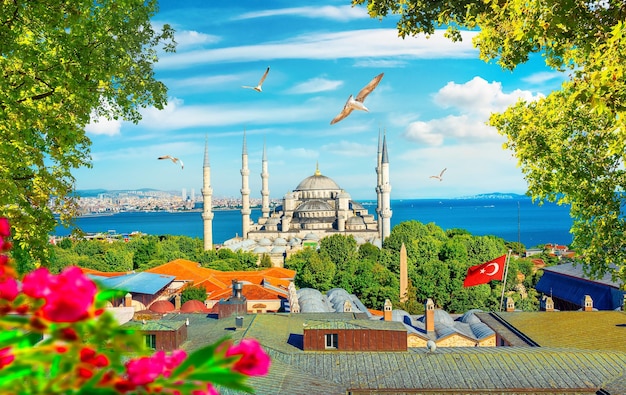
point(483, 273)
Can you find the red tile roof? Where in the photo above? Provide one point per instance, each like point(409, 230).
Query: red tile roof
point(252, 292)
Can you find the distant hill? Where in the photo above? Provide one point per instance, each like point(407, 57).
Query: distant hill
point(496, 195)
point(96, 192)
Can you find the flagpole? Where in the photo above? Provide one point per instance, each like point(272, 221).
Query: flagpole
point(506, 271)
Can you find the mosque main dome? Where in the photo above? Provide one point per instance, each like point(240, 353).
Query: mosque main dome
point(317, 182)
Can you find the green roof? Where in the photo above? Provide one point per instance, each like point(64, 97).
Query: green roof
point(589, 330)
point(153, 325)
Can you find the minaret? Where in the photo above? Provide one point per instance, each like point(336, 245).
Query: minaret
point(207, 194)
point(245, 191)
point(404, 275)
point(379, 219)
point(385, 191)
point(265, 189)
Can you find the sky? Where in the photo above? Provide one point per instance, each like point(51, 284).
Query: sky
point(432, 106)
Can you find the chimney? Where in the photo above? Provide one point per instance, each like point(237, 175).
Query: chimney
point(587, 303)
point(177, 302)
point(237, 287)
point(128, 300)
point(547, 304)
point(429, 315)
point(347, 307)
point(387, 310)
point(510, 305)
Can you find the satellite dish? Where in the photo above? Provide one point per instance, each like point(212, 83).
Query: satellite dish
point(431, 346)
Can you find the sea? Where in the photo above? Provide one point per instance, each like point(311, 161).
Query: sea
point(514, 219)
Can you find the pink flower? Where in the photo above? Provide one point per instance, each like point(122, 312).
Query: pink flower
point(68, 296)
point(144, 370)
point(6, 357)
point(36, 284)
point(254, 360)
point(9, 289)
point(5, 229)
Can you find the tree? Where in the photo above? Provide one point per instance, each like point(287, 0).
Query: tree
point(63, 64)
point(193, 293)
point(571, 144)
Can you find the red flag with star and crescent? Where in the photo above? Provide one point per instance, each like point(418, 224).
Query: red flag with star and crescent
point(485, 272)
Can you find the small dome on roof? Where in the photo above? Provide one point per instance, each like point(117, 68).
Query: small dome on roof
point(279, 250)
point(272, 221)
point(355, 220)
point(162, 306)
point(280, 242)
point(311, 236)
point(194, 306)
point(261, 250)
point(265, 242)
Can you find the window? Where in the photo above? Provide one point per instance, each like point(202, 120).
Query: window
point(151, 341)
point(331, 341)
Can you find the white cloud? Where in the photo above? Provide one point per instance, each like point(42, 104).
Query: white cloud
point(191, 38)
point(103, 126)
point(315, 85)
point(367, 43)
point(544, 76)
point(176, 115)
point(423, 132)
point(201, 82)
point(474, 101)
point(380, 63)
point(342, 13)
point(480, 97)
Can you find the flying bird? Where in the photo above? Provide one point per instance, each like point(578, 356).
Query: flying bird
point(357, 103)
point(440, 176)
point(258, 87)
point(175, 160)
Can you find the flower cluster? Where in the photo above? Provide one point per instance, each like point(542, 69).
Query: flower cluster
point(56, 338)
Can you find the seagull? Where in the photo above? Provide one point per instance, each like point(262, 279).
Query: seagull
point(357, 103)
point(175, 160)
point(440, 176)
point(258, 87)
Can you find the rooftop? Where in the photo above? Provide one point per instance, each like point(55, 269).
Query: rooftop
point(471, 370)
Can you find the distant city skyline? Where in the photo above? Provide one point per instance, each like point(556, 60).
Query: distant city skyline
point(432, 105)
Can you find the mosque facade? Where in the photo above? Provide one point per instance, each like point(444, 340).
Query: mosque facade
point(316, 208)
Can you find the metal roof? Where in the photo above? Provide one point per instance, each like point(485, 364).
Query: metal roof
point(563, 285)
point(143, 282)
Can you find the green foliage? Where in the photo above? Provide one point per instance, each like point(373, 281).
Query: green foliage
point(193, 293)
point(437, 265)
point(61, 65)
point(571, 144)
point(266, 261)
point(140, 253)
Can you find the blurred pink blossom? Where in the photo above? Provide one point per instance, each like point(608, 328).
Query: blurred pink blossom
point(254, 360)
point(68, 296)
point(6, 357)
point(9, 289)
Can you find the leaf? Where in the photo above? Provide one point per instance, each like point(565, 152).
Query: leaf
point(200, 357)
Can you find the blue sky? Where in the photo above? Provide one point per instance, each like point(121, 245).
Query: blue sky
point(432, 105)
